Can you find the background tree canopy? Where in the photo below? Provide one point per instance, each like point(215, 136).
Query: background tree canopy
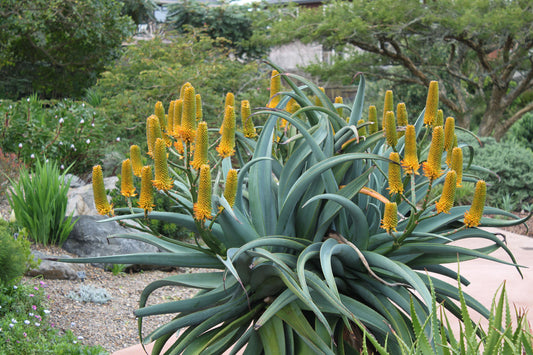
point(57, 47)
point(478, 50)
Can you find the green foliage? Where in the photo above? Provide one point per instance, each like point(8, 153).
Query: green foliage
point(154, 70)
point(308, 258)
point(25, 326)
point(12, 257)
point(9, 169)
point(68, 132)
point(57, 48)
point(140, 11)
point(522, 131)
point(118, 269)
point(477, 50)
point(235, 23)
point(511, 162)
point(39, 200)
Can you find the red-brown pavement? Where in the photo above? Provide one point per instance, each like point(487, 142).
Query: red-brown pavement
point(485, 277)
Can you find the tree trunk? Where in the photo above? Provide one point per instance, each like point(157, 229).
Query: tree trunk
point(493, 113)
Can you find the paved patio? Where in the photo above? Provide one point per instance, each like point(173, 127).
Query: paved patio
point(485, 277)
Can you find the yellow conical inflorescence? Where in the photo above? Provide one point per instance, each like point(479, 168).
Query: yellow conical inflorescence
point(227, 142)
point(230, 188)
point(162, 180)
point(388, 105)
point(178, 110)
point(395, 174)
point(153, 131)
point(201, 145)
point(474, 214)
point(136, 161)
point(100, 198)
point(390, 129)
point(202, 208)
point(432, 103)
point(248, 127)
point(159, 111)
point(170, 118)
point(146, 199)
point(401, 116)
point(410, 161)
point(449, 134)
point(390, 217)
point(439, 121)
point(457, 164)
point(373, 117)
point(188, 116)
point(339, 100)
point(127, 189)
point(362, 130)
point(447, 198)
point(199, 109)
point(275, 88)
point(292, 106)
point(432, 167)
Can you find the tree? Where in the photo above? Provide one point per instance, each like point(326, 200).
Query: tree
point(480, 51)
point(57, 47)
point(235, 23)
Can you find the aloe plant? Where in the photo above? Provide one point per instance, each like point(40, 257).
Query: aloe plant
point(312, 253)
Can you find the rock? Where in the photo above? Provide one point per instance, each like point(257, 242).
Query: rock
point(75, 181)
point(89, 238)
point(80, 199)
point(54, 270)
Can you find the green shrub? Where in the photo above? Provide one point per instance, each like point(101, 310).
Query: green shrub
point(25, 326)
point(12, 257)
point(511, 162)
point(39, 200)
point(153, 70)
point(66, 131)
point(312, 250)
point(522, 131)
point(9, 169)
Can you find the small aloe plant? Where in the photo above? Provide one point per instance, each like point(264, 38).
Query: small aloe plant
point(318, 239)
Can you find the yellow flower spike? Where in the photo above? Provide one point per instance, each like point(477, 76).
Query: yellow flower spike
point(440, 118)
point(230, 99)
point(230, 188)
point(227, 142)
point(339, 100)
point(162, 180)
point(178, 145)
point(200, 146)
point(395, 174)
point(248, 127)
point(188, 117)
point(275, 87)
point(136, 160)
point(153, 131)
point(178, 110)
point(292, 106)
point(410, 161)
point(390, 129)
point(317, 100)
point(159, 111)
point(361, 131)
point(170, 118)
point(126, 183)
point(432, 103)
point(182, 90)
point(100, 198)
point(388, 105)
point(373, 117)
point(390, 217)
point(457, 164)
point(447, 198)
point(202, 208)
point(449, 134)
point(146, 199)
point(432, 167)
point(474, 214)
point(199, 110)
point(401, 115)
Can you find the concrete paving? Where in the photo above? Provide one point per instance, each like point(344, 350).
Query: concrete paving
point(485, 277)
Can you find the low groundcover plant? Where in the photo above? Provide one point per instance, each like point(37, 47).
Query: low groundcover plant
point(316, 224)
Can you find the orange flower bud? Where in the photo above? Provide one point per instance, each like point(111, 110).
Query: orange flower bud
point(100, 198)
point(162, 181)
point(200, 146)
point(474, 214)
point(432, 103)
point(395, 174)
point(410, 161)
point(432, 167)
point(202, 208)
point(126, 183)
point(448, 193)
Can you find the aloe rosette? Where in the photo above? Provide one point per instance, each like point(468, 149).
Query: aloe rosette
point(314, 253)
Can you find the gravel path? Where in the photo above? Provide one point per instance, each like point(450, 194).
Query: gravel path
point(112, 324)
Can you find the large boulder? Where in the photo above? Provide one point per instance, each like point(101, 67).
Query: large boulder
point(80, 198)
point(90, 238)
point(54, 270)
